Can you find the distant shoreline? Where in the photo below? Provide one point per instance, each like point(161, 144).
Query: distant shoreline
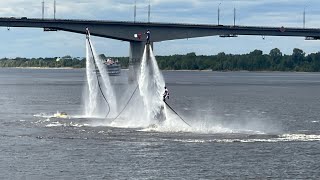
point(181, 70)
point(43, 67)
point(208, 70)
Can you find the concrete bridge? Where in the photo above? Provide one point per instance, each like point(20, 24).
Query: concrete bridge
point(124, 31)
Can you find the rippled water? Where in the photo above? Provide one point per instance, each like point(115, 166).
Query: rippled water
point(244, 125)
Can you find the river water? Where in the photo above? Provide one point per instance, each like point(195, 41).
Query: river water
point(244, 125)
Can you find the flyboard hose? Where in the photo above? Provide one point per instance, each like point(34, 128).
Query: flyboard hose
point(126, 104)
point(177, 114)
point(104, 97)
point(164, 102)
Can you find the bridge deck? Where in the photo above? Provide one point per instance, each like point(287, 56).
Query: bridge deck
point(124, 30)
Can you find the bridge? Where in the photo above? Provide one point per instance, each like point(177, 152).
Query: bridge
point(125, 30)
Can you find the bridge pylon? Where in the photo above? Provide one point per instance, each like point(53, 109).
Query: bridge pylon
point(135, 54)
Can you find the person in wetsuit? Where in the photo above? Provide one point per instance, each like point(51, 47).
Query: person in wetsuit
point(165, 94)
point(148, 36)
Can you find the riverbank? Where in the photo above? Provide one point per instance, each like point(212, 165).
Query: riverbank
point(42, 67)
point(180, 70)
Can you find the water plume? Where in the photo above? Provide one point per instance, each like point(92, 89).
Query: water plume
point(106, 84)
point(98, 82)
point(151, 85)
point(91, 91)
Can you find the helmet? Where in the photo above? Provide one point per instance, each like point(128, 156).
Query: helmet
point(165, 87)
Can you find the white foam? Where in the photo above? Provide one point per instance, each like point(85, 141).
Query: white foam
point(281, 138)
point(44, 115)
point(175, 124)
point(74, 124)
point(55, 124)
point(299, 137)
point(40, 121)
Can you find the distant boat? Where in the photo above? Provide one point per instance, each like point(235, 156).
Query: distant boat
point(113, 67)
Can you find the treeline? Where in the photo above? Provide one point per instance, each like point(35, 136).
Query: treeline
point(55, 62)
point(275, 60)
point(253, 61)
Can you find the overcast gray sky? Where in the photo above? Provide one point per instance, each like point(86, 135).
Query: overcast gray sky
point(29, 42)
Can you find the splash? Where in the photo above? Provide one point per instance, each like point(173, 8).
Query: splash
point(107, 88)
point(152, 111)
point(91, 95)
point(98, 83)
point(144, 110)
point(151, 84)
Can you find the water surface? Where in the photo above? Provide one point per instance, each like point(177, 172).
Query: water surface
point(244, 125)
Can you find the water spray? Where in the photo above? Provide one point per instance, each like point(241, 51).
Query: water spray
point(151, 83)
point(99, 85)
point(126, 104)
point(158, 83)
point(177, 114)
point(91, 102)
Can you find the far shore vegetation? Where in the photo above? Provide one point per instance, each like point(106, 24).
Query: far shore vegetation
point(256, 60)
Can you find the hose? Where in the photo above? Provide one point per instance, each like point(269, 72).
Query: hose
point(126, 104)
point(177, 114)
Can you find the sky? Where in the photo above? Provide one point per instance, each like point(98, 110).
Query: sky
point(33, 42)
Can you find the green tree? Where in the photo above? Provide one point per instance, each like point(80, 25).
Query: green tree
point(275, 57)
point(298, 56)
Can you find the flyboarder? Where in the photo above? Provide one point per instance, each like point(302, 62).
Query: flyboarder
point(87, 32)
point(148, 36)
point(165, 94)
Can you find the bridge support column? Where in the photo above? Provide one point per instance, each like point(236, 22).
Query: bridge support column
point(135, 55)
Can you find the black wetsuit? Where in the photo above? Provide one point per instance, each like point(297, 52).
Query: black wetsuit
point(148, 37)
point(165, 95)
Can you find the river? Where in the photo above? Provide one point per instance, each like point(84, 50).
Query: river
point(244, 125)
